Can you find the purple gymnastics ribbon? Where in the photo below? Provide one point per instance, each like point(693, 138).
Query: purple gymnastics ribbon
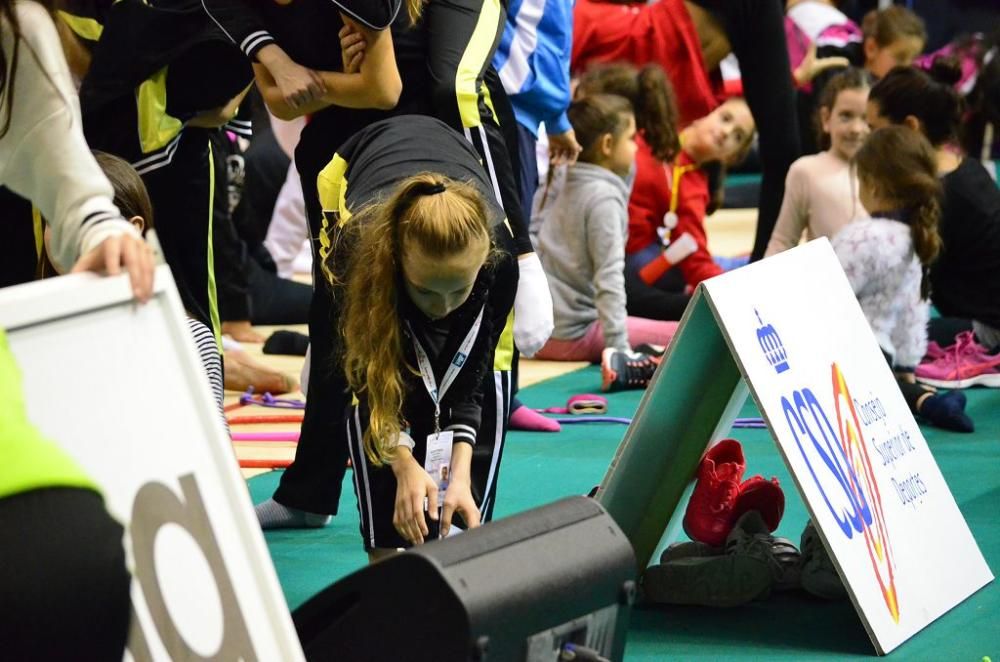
point(744, 423)
point(268, 400)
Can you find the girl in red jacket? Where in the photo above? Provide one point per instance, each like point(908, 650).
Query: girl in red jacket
point(673, 199)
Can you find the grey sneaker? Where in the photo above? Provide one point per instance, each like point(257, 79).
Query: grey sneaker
point(752, 564)
point(819, 576)
point(688, 549)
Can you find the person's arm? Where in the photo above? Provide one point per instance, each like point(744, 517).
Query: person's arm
point(794, 215)
point(605, 228)
point(692, 203)
point(376, 85)
point(45, 158)
point(458, 496)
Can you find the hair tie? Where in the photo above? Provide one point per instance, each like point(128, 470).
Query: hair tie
point(433, 189)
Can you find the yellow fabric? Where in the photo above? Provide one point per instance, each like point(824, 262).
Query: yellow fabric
point(331, 185)
point(480, 49)
point(85, 28)
point(503, 357)
point(213, 298)
point(156, 127)
point(30, 461)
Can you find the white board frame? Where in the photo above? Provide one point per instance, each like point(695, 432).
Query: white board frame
point(60, 303)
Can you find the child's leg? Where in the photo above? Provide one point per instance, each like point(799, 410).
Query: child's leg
point(643, 331)
point(182, 196)
point(492, 435)
point(587, 347)
point(651, 302)
point(943, 410)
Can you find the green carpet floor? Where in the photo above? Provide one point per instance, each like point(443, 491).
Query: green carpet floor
point(540, 468)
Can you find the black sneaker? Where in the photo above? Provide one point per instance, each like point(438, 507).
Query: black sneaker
point(752, 565)
point(819, 576)
point(656, 351)
point(626, 370)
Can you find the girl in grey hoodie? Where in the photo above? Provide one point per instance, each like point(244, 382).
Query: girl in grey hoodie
point(582, 248)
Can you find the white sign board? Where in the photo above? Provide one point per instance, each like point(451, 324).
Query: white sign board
point(121, 388)
point(866, 474)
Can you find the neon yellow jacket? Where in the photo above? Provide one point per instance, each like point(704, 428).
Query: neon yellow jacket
point(28, 460)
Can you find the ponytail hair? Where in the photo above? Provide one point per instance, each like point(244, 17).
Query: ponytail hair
point(902, 166)
point(909, 91)
point(652, 97)
point(597, 115)
point(414, 9)
point(441, 217)
point(888, 25)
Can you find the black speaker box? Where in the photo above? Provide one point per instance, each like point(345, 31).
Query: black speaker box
point(521, 588)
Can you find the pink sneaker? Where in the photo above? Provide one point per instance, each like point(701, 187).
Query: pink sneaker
point(964, 364)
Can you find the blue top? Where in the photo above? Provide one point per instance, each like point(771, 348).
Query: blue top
point(533, 62)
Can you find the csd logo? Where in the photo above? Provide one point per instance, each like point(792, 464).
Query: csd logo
point(838, 461)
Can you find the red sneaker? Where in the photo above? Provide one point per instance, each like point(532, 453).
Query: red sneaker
point(709, 515)
point(764, 496)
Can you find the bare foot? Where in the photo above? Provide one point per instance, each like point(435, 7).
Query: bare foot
point(240, 372)
point(241, 332)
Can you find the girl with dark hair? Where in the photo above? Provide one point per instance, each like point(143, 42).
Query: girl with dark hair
point(689, 40)
point(423, 272)
point(821, 191)
point(887, 258)
point(670, 201)
point(582, 246)
point(965, 285)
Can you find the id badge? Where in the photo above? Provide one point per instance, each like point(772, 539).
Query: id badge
point(437, 462)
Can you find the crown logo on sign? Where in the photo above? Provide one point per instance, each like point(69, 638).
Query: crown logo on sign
point(770, 344)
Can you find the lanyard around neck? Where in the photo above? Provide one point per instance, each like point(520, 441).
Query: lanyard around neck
point(676, 173)
point(454, 366)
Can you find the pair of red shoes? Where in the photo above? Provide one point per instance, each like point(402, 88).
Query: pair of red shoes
point(721, 495)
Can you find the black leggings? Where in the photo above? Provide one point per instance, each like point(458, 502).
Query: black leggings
point(64, 586)
point(756, 31)
point(183, 195)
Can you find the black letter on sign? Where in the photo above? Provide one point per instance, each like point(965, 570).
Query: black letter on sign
point(155, 505)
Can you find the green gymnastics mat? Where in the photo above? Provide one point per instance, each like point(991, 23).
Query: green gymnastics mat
point(539, 468)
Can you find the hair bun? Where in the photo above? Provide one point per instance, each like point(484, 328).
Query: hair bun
point(946, 69)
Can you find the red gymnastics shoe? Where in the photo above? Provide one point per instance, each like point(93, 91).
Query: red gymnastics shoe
point(709, 516)
point(764, 496)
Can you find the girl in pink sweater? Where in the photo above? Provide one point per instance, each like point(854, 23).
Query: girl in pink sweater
point(821, 190)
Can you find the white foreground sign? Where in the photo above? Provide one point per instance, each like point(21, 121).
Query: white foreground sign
point(121, 388)
point(866, 474)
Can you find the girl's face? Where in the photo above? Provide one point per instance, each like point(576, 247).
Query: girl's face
point(440, 285)
point(623, 149)
point(846, 122)
point(880, 59)
point(721, 134)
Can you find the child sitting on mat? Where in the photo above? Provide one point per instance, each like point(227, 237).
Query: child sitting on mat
point(582, 248)
point(821, 190)
point(887, 257)
point(678, 198)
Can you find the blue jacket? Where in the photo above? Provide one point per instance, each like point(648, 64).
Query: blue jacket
point(533, 62)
